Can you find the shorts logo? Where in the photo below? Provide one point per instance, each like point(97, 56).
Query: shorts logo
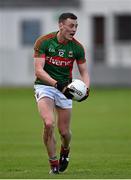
point(37, 95)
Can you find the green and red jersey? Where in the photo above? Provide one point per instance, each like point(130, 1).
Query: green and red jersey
point(59, 57)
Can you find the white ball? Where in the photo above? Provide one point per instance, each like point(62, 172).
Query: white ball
point(79, 88)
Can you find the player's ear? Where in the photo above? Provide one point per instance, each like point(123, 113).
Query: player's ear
point(60, 25)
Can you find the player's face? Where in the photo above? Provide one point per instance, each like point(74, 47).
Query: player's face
point(68, 28)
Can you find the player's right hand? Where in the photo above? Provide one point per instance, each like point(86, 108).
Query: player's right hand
point(86, 96)
point(64, 89)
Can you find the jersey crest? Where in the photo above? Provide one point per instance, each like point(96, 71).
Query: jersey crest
point(61, 52)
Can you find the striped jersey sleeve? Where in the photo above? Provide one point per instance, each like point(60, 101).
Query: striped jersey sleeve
point(41, 44)
point(40, 47)
point(80, 53)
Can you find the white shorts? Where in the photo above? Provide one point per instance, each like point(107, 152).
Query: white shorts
point(53, 93)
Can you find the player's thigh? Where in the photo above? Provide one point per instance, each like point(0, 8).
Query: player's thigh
point(46, 109)
point(63, 118)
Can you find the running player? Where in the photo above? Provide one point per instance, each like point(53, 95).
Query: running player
point(54, 55)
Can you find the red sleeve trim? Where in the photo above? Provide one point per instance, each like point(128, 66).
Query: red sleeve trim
point(81, 61)
point(39, 56)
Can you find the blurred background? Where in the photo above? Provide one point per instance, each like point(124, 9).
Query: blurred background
point(101, 125)
point(104, 29)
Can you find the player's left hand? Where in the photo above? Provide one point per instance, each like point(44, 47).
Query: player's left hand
point(67, 93)
point(86, 96)
point(64, 89)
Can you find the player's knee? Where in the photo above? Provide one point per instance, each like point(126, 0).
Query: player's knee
point(48, 132)
point(48, 126)
point(64, 133)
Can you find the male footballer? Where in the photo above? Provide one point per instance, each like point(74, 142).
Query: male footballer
point(54, 55)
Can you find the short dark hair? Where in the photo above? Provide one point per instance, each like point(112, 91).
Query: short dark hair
point(65, 16)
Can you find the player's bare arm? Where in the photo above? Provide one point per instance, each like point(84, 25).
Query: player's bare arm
point(40, 73)
point(85, 78)
point(84, 73)
point(44, 76)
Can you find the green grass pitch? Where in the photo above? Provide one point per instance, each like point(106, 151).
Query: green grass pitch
point(101, 136)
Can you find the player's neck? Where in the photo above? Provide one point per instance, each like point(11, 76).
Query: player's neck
point(61, 39)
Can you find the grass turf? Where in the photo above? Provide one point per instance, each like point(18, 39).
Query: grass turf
point(101, 136)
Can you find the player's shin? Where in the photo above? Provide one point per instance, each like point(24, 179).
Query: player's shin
point(64, 152)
